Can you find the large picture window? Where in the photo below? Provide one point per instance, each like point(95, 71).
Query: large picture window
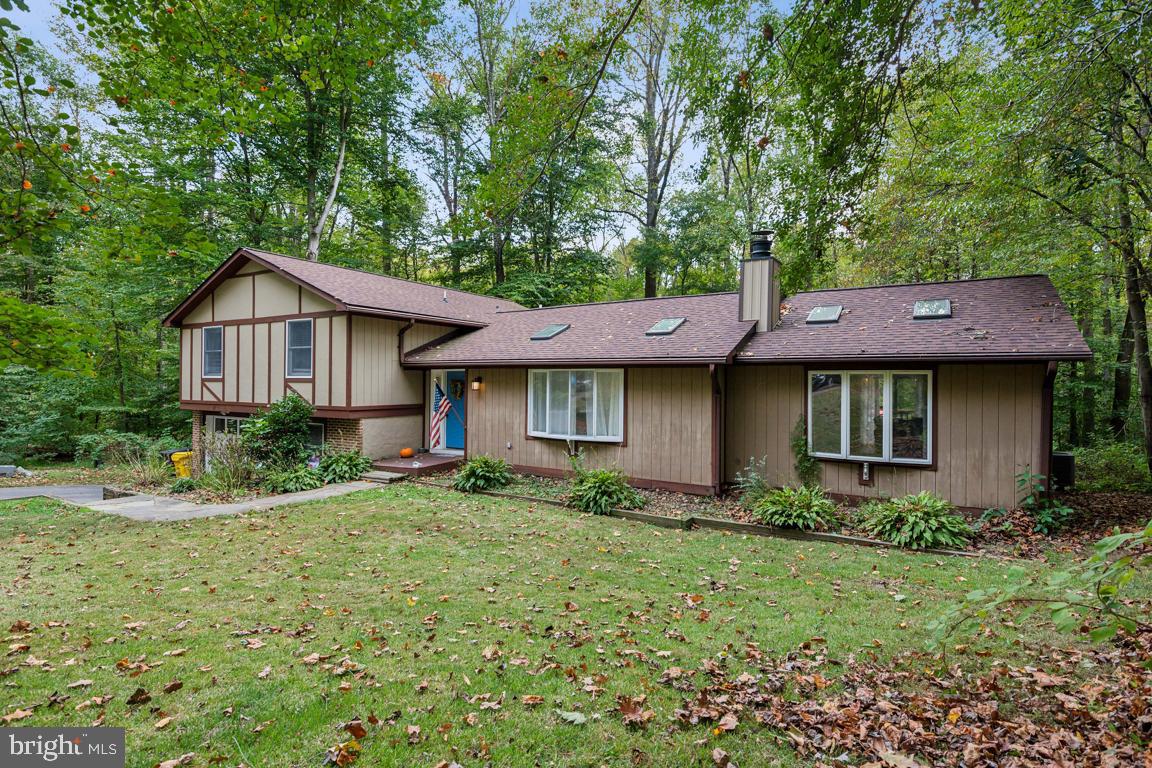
point(883, 416)
point(298, 349)
point(585, 404)
point(213, 361)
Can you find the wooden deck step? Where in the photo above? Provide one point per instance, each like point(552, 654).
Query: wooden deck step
point(379, 476)
point(421, 464)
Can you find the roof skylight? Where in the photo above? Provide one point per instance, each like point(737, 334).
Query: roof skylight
point(550, 331)
point(665, 327)
point(932, 308)
point(825, 313)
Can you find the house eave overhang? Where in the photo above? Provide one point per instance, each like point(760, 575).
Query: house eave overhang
point(1037, 357)
point(585, 362)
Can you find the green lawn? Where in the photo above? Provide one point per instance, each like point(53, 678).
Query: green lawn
point(448, 610)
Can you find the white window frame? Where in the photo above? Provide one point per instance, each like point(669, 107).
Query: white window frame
point(288, 374)
point(204, 352)
point(846, 421)
point(593, 409)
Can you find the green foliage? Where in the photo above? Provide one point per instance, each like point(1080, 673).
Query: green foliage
point(39, 413)
point(1112, 466)
point(482, 473)
point(152, 469)
point(185, 485)
point(918, 521)
point(278, 435)
point(806, 465)
point(232, 466)
point(40, 337)
point(293, 480)
point(1093, 597)
point(806, 508)
point(343, 467)
point(112, 447)
point(752, 482)
point(1049, 515)
point(599, 491)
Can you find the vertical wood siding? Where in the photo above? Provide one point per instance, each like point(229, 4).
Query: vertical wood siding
point(987, 421)
point(668, 415)
point(377, 378)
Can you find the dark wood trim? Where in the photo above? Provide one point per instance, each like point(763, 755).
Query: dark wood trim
point(638, 482)
point(1046, 407)
point(269, 319)
point(935, 447)
point(331, 322)
point(311, 351)
point(424, 412)
point(467, 408)
point(299, 299)
point(212, 298)
point(599, 362)
point(252, 330)
point(452, 334)
point(268, 359)
point(333, 412)
point(253, 276)
point(348, 362)
point(714, 373)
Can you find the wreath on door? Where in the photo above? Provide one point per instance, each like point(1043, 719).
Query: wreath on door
point(457, 389)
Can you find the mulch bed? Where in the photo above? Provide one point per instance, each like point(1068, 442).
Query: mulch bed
point(1078, 707)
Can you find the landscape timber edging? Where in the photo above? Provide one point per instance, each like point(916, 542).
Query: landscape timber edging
point(716, 524)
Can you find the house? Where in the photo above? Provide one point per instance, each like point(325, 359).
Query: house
point(945, 387)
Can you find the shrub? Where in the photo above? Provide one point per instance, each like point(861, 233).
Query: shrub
point(112, 447)
point(294, 480)
point(805, 508)
point(1112, 467)
point(918, 521)
point(751, 483)
point(233, 467)
point(1048, 515)
point(343, 467)
point(807, 466)
point(599, 491)
point(151, 469)
point(278, 436)
point(184, 485)
point(482, 473)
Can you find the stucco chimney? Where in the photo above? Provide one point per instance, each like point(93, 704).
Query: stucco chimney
point(760, 283)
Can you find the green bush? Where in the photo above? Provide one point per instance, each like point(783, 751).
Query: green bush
point(806, 465)
point(294, 480)
point(918, 521)
point(1049, 515)
point(599, 491)
point(278, 436)
point(751, 482)
point(233, 467)
point(185, 485)
point(112, 447)
point(805, 508)
point(343, 467)
point(152, 469)
point(482, 473)
point(40, 413)
point(1112, 467)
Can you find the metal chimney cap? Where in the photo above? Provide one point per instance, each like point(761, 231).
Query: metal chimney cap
point(763, 234)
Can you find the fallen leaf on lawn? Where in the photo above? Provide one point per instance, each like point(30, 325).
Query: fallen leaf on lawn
point(413, 732)
point(632, 708)
point(490, 652)
point(531, 700)
point(252, 643)
point(571, 607)
point(446, 764)
point(899, 760)
point(343, 754)
point(575, 718)
point(162, 723)
point(176, 652)
point(263, 674)
point(728, 723)
point(355, 728)
point(310, 659)
point(721, 759)
point(20, 626)
point(80, 684)
point(139, 696)
point(15, 715)
point(177, 761)
point(173, 686)
point(263, 726)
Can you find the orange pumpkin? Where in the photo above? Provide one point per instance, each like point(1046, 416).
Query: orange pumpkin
point(407, 453)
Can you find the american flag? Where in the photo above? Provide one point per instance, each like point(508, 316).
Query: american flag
point(440, 407)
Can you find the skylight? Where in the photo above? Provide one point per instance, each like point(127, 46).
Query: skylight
point(932, 308)
point(825, 313)
point(665, 327)
point(550, 331)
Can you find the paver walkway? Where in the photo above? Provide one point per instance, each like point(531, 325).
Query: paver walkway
point(145, 507)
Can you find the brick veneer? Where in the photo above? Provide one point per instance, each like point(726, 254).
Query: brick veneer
point(197, 442)
point(343, 434)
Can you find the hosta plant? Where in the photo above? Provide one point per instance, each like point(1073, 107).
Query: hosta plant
point(482, 473)
point(806, 508)
point(599, 491)
point(344, 467)
point(918, 521)
point(294, 480)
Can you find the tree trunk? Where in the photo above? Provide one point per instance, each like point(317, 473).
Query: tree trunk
point(1088, 425)
point(1137, 310)
point(1122, 382)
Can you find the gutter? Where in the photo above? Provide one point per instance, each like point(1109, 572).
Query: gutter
point(400, 338)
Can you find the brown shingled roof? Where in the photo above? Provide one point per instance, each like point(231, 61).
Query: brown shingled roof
point(1004, 318)
point(600, 334)
point(359, 291)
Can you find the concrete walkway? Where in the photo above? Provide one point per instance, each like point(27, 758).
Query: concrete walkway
point(145, 507)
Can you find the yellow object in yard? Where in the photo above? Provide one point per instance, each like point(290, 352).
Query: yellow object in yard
point(182, 460)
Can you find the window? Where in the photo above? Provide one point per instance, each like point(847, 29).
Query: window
point(550, 331)
point(315, 435)
point(213, 360)
point(931, 309)
point(825, 313)
point(665, 327)
point(226, 425)
point(298, 349)
point(880, 416)
point(586, 404)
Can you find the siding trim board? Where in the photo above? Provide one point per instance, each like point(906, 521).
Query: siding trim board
point(337, 412)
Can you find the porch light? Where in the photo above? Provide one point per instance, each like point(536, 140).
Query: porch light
point(477, 383)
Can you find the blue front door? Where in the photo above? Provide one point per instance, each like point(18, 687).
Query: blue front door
point(454, 424)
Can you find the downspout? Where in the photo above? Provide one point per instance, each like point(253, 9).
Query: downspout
point(717, 427)
point(1046, 406)
point(400, 339)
